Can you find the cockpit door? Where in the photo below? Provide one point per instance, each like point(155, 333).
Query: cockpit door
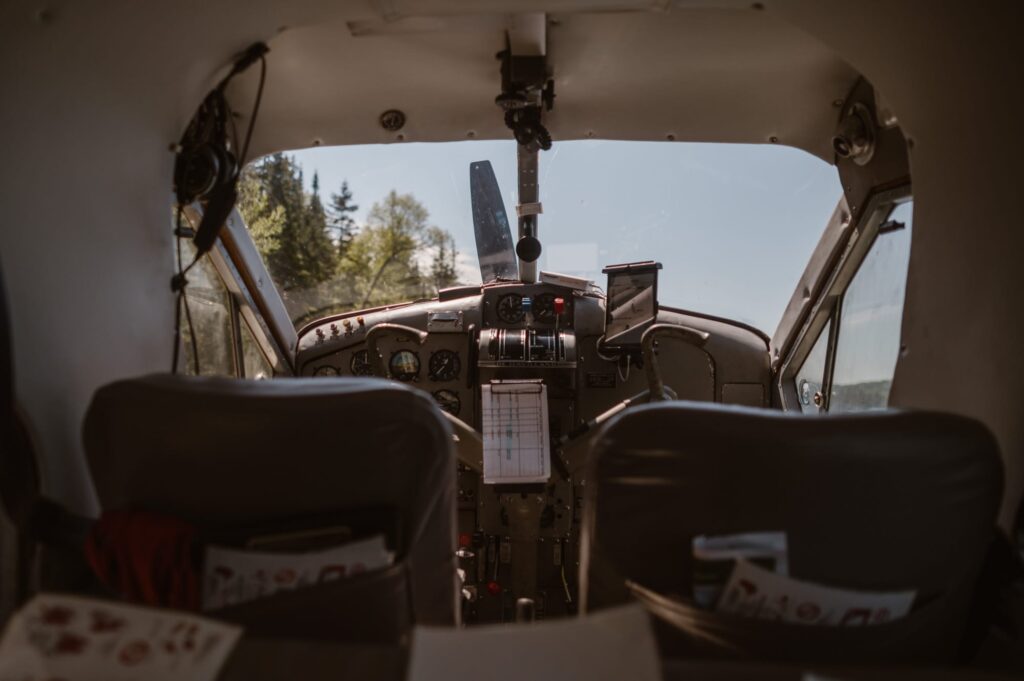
point(837, 346)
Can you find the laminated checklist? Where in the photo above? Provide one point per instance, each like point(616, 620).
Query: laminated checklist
point(516, 434)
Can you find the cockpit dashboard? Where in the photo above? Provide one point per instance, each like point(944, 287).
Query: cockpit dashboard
point(523, 539)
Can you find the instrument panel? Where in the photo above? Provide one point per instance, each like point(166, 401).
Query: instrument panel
point(504, 326)
point(523, 539)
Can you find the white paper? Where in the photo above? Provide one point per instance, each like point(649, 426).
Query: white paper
point(613, 644)
point(714, 558)
point(517, 443)
point(755, 592)
point(233, 576)
point(85, 639)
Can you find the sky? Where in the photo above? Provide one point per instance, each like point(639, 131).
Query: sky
point(733, 225)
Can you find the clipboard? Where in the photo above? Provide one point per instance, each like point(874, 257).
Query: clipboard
point(516, 432)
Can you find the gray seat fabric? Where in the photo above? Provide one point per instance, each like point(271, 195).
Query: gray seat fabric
point(877, 501)
point(224, 453)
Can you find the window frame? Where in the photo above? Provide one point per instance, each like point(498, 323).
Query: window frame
point(828, 305)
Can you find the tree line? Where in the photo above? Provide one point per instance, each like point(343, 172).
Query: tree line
point(322, 261)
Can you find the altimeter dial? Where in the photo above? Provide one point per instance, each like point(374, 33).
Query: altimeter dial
point(444, 365)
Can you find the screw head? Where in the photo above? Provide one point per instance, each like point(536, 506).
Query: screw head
point(392, 120)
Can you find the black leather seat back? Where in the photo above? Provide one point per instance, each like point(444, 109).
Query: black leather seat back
point(877, 501)
point(226, 453)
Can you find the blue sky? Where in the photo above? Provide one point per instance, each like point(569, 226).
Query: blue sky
point(732, 224)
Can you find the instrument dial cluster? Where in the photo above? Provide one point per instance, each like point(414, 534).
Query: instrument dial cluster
point(527, 306)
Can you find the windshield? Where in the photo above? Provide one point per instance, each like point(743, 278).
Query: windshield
point(346, 228)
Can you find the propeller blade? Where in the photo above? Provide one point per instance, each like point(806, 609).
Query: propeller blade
point(494, 245)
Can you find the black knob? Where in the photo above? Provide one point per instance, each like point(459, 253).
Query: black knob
point(528, 248)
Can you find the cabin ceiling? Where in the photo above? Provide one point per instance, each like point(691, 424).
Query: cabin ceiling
point(622, 70)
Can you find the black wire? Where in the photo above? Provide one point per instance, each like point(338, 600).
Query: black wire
point(255, 112)
point(230, 115)
point(180, 281)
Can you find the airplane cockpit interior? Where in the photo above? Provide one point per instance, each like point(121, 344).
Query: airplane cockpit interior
point(596, 339)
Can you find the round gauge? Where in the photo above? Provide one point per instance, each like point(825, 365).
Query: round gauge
point(325, 370)
point(510, 308)
point(404, 365)
point(449, 401)
point(544, 307)
point(444, 365)
point(359, 365)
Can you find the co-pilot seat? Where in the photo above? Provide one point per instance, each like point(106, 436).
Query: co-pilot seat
point(292, 457)
point(883, 501)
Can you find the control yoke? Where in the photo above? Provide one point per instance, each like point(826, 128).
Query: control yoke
point(378, 330)
point(656, 385)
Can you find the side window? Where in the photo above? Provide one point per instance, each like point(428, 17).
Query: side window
point(254, 362)
point(225, 344)
point(851, 365)
point(210, 309)
point(870, 318)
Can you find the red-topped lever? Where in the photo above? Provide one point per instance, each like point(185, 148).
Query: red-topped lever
point(559, 306)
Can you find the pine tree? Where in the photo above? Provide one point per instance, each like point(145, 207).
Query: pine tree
point(321, 257)
point(340, 218)
point(305, 256)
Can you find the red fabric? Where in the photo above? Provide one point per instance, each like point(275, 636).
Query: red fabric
point(146, 558)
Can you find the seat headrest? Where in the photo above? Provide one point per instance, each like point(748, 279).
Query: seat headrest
point(231, 449)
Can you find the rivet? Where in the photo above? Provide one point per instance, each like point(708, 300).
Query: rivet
point(773, 139)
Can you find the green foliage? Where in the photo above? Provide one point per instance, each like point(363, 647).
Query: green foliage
point(266, 224)
point(442, 267)
point(381, 260)
point(304, 255)
point(322, 262)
